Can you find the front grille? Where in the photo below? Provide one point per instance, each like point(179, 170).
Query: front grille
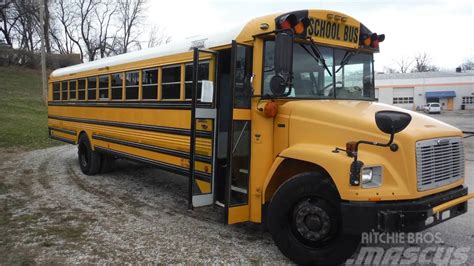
point(439, 162)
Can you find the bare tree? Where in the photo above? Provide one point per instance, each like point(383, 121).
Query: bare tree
point(389, 70)
point(423, 63)
point(157, 37)
point(104, 17)
point(27, 28)
point(66, 14)
point(468, 64)
point(46, 26)
point(7, 23)
point(91, 44)
point(404, 64)
point(131, 16)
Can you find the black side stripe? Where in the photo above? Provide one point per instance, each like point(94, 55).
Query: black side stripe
point(169, 130)
point(171, 105)
point(62, 130)
point(62, 139)
point(182, 154)
point(168, 167)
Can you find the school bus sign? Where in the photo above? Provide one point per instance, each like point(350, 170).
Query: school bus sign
point(333, 28)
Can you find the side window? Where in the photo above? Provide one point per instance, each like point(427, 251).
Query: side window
point(131, 85)
point(92, 88)
point(117, 86)
point(203, 74)
point(56, 91)
point(171, 82)
point(64, 87)
point(243, 72)
point(72, 89)
point(81, 89)
point(104, 87)
point(150, 84)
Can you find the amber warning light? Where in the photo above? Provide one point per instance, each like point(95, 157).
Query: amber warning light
point(371, 40)
point(290, 21)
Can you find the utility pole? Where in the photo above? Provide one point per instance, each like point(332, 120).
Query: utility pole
point(43, 53)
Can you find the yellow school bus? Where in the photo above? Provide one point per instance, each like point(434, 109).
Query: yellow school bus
point(276, 122)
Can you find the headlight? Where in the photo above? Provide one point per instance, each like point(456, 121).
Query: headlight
point(371, 176)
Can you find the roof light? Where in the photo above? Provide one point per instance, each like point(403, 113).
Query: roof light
point(365, 39)
point(287, 22)
point(301, 26)
point(376, 39)
point(291, 21)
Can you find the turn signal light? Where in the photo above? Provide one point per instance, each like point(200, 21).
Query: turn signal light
point(270, 109)
point(351, 148)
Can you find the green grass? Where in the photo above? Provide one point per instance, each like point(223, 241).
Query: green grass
point(23, 115)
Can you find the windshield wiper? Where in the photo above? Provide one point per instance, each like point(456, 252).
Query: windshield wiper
point(318, 54)
point(347, 56)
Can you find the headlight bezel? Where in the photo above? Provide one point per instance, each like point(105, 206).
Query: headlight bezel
point(371, 176)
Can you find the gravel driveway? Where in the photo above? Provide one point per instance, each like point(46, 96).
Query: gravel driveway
point(51, 213)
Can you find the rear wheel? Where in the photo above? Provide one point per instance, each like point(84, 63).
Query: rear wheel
point(305, 222)
point(89, 160)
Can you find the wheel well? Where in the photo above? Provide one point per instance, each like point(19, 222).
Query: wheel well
point(80, 134)
point(287, 169)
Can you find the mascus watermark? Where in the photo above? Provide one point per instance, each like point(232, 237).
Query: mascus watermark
point(397, 248)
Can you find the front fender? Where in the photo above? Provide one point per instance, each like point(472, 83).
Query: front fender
point(338, 167)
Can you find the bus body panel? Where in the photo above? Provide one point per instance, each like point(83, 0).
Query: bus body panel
point(317, 127)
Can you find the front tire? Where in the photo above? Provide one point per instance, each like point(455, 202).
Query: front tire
point(305, 222)
point(89, 160)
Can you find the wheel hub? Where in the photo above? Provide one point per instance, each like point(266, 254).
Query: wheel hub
point(311, 221)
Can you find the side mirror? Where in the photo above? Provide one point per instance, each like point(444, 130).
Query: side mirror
point(284, 54)
point(392, 122)
point(278, 85)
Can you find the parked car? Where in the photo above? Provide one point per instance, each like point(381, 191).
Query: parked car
point(432, 108)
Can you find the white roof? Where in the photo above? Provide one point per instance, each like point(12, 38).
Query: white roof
point(419, 75)
point(174, 47)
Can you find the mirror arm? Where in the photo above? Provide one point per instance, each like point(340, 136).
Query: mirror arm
point(354, 154)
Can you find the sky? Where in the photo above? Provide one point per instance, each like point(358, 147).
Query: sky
point(443, 29)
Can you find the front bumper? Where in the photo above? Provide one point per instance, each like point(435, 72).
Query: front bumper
point(403, 216)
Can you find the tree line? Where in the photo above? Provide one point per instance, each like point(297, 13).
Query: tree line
point(92, 28)
point(421, 62)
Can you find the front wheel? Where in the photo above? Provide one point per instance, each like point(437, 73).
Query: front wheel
point(305, 222)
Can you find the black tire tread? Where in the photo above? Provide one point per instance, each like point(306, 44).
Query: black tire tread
point(95, 159)
point(311, 183)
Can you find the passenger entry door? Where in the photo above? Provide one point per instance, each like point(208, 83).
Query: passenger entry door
point(237, 185)
point(203, 129)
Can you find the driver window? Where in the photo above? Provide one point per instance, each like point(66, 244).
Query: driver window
point(310, 78)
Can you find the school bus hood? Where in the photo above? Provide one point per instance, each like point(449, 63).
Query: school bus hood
point(340, 121)
point(317, 127)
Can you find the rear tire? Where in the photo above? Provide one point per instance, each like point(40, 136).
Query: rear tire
point(305, 222)
point(89, 160)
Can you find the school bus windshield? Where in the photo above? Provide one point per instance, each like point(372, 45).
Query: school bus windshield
point(349, 75)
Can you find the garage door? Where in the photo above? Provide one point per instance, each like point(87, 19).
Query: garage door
point(403, 97)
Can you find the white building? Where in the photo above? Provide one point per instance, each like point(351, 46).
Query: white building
point(453, 90)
